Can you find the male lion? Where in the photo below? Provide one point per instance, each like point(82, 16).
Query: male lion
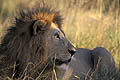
point(34, 45)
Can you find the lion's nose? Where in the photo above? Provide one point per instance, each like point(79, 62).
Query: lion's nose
point(72, 51)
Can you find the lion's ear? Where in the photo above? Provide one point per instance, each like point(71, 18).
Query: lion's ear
point(38, 26)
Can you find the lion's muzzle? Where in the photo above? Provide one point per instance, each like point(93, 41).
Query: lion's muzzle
point(72, 51)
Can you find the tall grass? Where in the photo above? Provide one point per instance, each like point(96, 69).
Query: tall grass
point(87, 24)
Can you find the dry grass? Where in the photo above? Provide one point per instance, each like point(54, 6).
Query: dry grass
point(88, 23)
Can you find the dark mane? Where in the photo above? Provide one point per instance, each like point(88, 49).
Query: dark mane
point(21, 46)
point(28, 16)
point(39, 12)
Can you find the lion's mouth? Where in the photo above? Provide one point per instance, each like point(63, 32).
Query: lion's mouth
point(60, 62)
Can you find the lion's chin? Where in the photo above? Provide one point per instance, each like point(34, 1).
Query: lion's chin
point(59, 62)
point(62, 66)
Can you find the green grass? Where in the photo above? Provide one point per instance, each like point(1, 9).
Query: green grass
point(87, 24)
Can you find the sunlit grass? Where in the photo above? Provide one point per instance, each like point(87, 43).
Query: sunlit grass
point(84, 27)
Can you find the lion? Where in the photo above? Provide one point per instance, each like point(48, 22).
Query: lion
point(85, 63)
point(35, 46)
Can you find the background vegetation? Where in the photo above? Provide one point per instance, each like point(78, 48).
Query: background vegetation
point(87, 24)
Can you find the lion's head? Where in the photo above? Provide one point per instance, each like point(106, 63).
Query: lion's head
point(36, 37)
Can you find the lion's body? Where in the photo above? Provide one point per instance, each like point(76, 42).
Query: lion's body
point(85, 61)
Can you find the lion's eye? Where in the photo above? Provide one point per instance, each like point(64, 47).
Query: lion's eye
point(57, 36)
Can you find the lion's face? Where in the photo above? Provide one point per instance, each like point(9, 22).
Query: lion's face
point(59, 47)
